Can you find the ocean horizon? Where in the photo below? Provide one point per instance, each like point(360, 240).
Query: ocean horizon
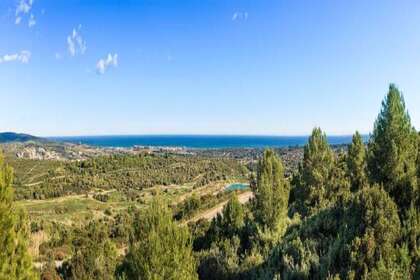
point(197, 141)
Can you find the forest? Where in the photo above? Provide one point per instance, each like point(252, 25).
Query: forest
point(351, 214)
point(126, 173)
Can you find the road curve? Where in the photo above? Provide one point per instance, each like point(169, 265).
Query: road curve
point(212, 212)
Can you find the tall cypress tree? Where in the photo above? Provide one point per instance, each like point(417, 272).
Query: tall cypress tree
point(314, 174)
point(15, 262)
point(271, 192)
point(356, 163)
point(392, 151)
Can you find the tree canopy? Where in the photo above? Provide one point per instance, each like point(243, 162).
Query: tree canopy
point(15, 262)
point(271, 192)
point(317, 167)
point(160, 248)
point(356, 163)
point(345, 214)
point(393, 149)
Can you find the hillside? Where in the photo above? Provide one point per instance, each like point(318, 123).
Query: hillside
point(320, 212)
point(6, 137)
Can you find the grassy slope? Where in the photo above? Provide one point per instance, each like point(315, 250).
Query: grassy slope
point(76, 209)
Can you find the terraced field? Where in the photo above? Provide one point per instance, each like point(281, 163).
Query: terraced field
point(63, 196)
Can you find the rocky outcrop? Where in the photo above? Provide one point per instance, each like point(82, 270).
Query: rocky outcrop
point(39, 153)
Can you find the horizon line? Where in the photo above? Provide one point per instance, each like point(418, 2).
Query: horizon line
point(200, 135)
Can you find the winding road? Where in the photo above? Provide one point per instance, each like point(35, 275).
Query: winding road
point(212, 212)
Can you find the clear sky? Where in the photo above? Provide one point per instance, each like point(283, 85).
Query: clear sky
point(89, 67)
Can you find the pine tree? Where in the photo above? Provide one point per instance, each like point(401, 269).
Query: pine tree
point(368, 237)
point(271, 192)
point(160, 248)
point(392, 150)
point(225, 243)
point(411, 235)
point(233, 212)
point(95, 256)
point(417, 195)
point(314, 175)
point(15, 262)
point(232, 218)
point(338, 187)
point(356, 163)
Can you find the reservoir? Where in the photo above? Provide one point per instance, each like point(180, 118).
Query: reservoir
point(237, 186)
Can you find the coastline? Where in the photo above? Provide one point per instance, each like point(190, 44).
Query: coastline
point(192, 142)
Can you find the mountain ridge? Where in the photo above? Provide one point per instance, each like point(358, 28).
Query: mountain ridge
point(6, 137)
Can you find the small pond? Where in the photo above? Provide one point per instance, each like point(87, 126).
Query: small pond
point(236, 186)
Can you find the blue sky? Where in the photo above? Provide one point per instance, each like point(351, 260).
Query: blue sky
point(204, 66)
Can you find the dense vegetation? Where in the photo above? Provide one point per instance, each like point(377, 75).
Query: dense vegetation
point(15, 262)
point(128, 173)
point(351, 216)
point(347, 215)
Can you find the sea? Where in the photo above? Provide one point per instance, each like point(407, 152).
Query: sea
point(198, 141)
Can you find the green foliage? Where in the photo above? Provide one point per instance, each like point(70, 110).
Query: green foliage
point(49, 271)
point(314, 175)
point(94, 256)
point(128, 173)
point(417, 199)
point(235, 242)
point(227, 224)
point(353, 241)
point(199, 231)
point(188, 207)
point(271, 192)
point(192, 205)
point(303, 252)
point(411, 236)
point(101, 197)
point(221, 261)
point(337, 189)
point(160, 248)
point(353, 215)
point(15, 262)
point(392, 150)
point(368, 236)
point(356, 163)
point(232, 217)
point(121, 226)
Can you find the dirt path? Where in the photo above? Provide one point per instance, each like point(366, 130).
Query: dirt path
point(30, 171)
point(199, 192)
point(52, 200)
point(211, 213)
point(31, 179)
point(66, 197)
point(40, 182)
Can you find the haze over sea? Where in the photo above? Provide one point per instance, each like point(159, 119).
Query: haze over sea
point(197, 141)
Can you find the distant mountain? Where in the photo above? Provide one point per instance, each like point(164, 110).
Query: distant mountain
point(18, 137)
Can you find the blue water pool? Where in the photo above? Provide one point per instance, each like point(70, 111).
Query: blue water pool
point(237, 186)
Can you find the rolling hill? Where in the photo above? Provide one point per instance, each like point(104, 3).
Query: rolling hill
point(6, 137)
